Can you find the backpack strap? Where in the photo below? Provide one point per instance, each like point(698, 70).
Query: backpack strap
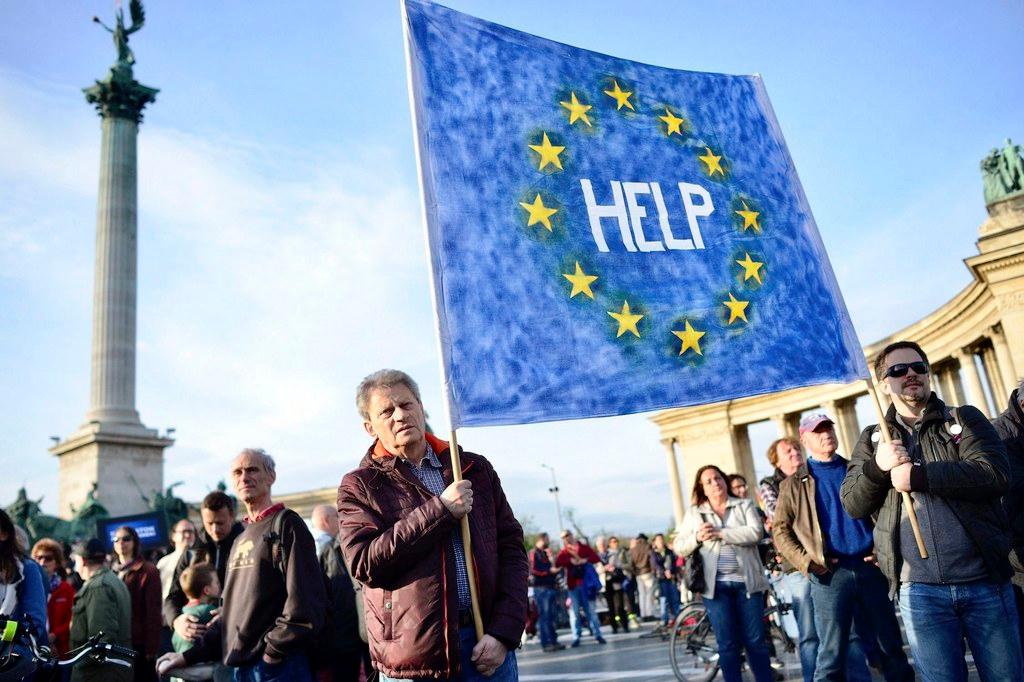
point(276, 539)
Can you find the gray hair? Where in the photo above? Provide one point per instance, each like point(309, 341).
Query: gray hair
point(383, 378)
point(264, 458)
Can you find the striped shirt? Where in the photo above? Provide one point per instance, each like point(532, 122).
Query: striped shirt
point(429, 474)
point(728, 570)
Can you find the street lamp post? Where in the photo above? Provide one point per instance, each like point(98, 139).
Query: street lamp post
point(554, 491)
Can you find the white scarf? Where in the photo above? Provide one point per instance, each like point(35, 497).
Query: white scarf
point(10, 598)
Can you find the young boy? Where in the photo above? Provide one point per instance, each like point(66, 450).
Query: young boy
point(201, 586)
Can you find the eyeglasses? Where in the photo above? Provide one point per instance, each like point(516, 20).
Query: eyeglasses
point(43, 558)
point(900, 369)
point(124, 538)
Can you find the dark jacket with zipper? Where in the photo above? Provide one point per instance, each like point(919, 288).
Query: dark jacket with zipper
point(396, 539)
point(205, 551)
point(969, 473)
point(1010, 427)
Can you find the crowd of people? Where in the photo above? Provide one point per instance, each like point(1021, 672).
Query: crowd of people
point(381, 587)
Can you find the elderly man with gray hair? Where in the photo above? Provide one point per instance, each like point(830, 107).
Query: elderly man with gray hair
point(400, 513)
point(274, 592)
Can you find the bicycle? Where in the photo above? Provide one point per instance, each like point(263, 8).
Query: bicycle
point(19, 662)
point(693, 652)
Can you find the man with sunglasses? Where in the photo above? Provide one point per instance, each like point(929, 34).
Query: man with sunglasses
point(954, 465)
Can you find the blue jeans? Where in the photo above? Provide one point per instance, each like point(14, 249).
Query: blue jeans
point(738, 621)
point(669, 600)
point(546, 598)
point(797, 588)
point(295, 668)
point(508, 671)
point(849, 586)
point(938, 617)
point(578, 599)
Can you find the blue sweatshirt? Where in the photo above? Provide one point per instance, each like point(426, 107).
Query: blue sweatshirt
point(844, 536)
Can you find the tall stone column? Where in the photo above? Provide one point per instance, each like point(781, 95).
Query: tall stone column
point(113, 450)
point(112, 398)
point(975, 391)
point(674, 482)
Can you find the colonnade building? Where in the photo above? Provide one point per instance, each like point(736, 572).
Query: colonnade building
point(975, 343)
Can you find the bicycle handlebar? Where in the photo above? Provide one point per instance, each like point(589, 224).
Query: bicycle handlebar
point(12, 631)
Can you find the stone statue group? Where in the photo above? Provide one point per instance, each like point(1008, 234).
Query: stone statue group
point(1003, 172)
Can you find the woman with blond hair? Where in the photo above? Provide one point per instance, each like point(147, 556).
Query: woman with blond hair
point(49, 554)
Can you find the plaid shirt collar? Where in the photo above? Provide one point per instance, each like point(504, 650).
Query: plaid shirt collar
point(429, 457)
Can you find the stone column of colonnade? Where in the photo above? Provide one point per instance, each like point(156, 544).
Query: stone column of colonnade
point(975, 390)
point(1004, 361)
point(952, 387)
point(844, 414)
point(995, 379)
point(674, 482)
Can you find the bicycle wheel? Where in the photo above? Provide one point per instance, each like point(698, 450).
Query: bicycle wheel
point(774, 609)
point(693, 651)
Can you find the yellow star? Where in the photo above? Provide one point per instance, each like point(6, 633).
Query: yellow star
point(577, 110)
point(581, 282)
point(674, 123)
point(712, 161)
point(690, 338)
point(620, 96)
point(548, 153)
point(539, 213)
point(737, 309)
point(749, 218)
point(751, 268)
point(627, 320)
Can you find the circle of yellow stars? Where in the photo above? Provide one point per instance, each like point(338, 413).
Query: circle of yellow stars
point(626, 321)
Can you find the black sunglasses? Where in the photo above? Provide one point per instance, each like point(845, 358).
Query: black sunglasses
point(900, 369)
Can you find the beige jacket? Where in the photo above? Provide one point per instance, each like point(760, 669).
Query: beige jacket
point(742, 529)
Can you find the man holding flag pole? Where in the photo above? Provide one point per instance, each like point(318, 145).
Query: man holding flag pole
point(953, 462)
point(427, 590)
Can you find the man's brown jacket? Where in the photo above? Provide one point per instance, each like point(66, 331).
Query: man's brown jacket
point(796, 531)
point(396, 539)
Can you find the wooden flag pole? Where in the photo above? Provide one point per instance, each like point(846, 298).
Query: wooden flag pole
point(908, 502)
point(467, 546)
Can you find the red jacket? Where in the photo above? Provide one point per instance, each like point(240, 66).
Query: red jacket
point(395, 537)
point(564, 560)
point(143, 581)
point(58, 613)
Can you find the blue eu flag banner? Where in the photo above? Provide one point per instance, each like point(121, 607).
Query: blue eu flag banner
point(609, 237)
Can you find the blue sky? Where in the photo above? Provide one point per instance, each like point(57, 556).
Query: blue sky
point(281, 251)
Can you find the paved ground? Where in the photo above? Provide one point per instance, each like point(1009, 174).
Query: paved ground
point(625, 657)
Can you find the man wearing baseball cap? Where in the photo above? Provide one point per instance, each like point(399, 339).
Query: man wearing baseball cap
point(816, 535)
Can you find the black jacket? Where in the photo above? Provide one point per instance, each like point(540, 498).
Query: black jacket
point(970, 475)
point(205, 550)
point(343, 621)
point(1010, 427)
